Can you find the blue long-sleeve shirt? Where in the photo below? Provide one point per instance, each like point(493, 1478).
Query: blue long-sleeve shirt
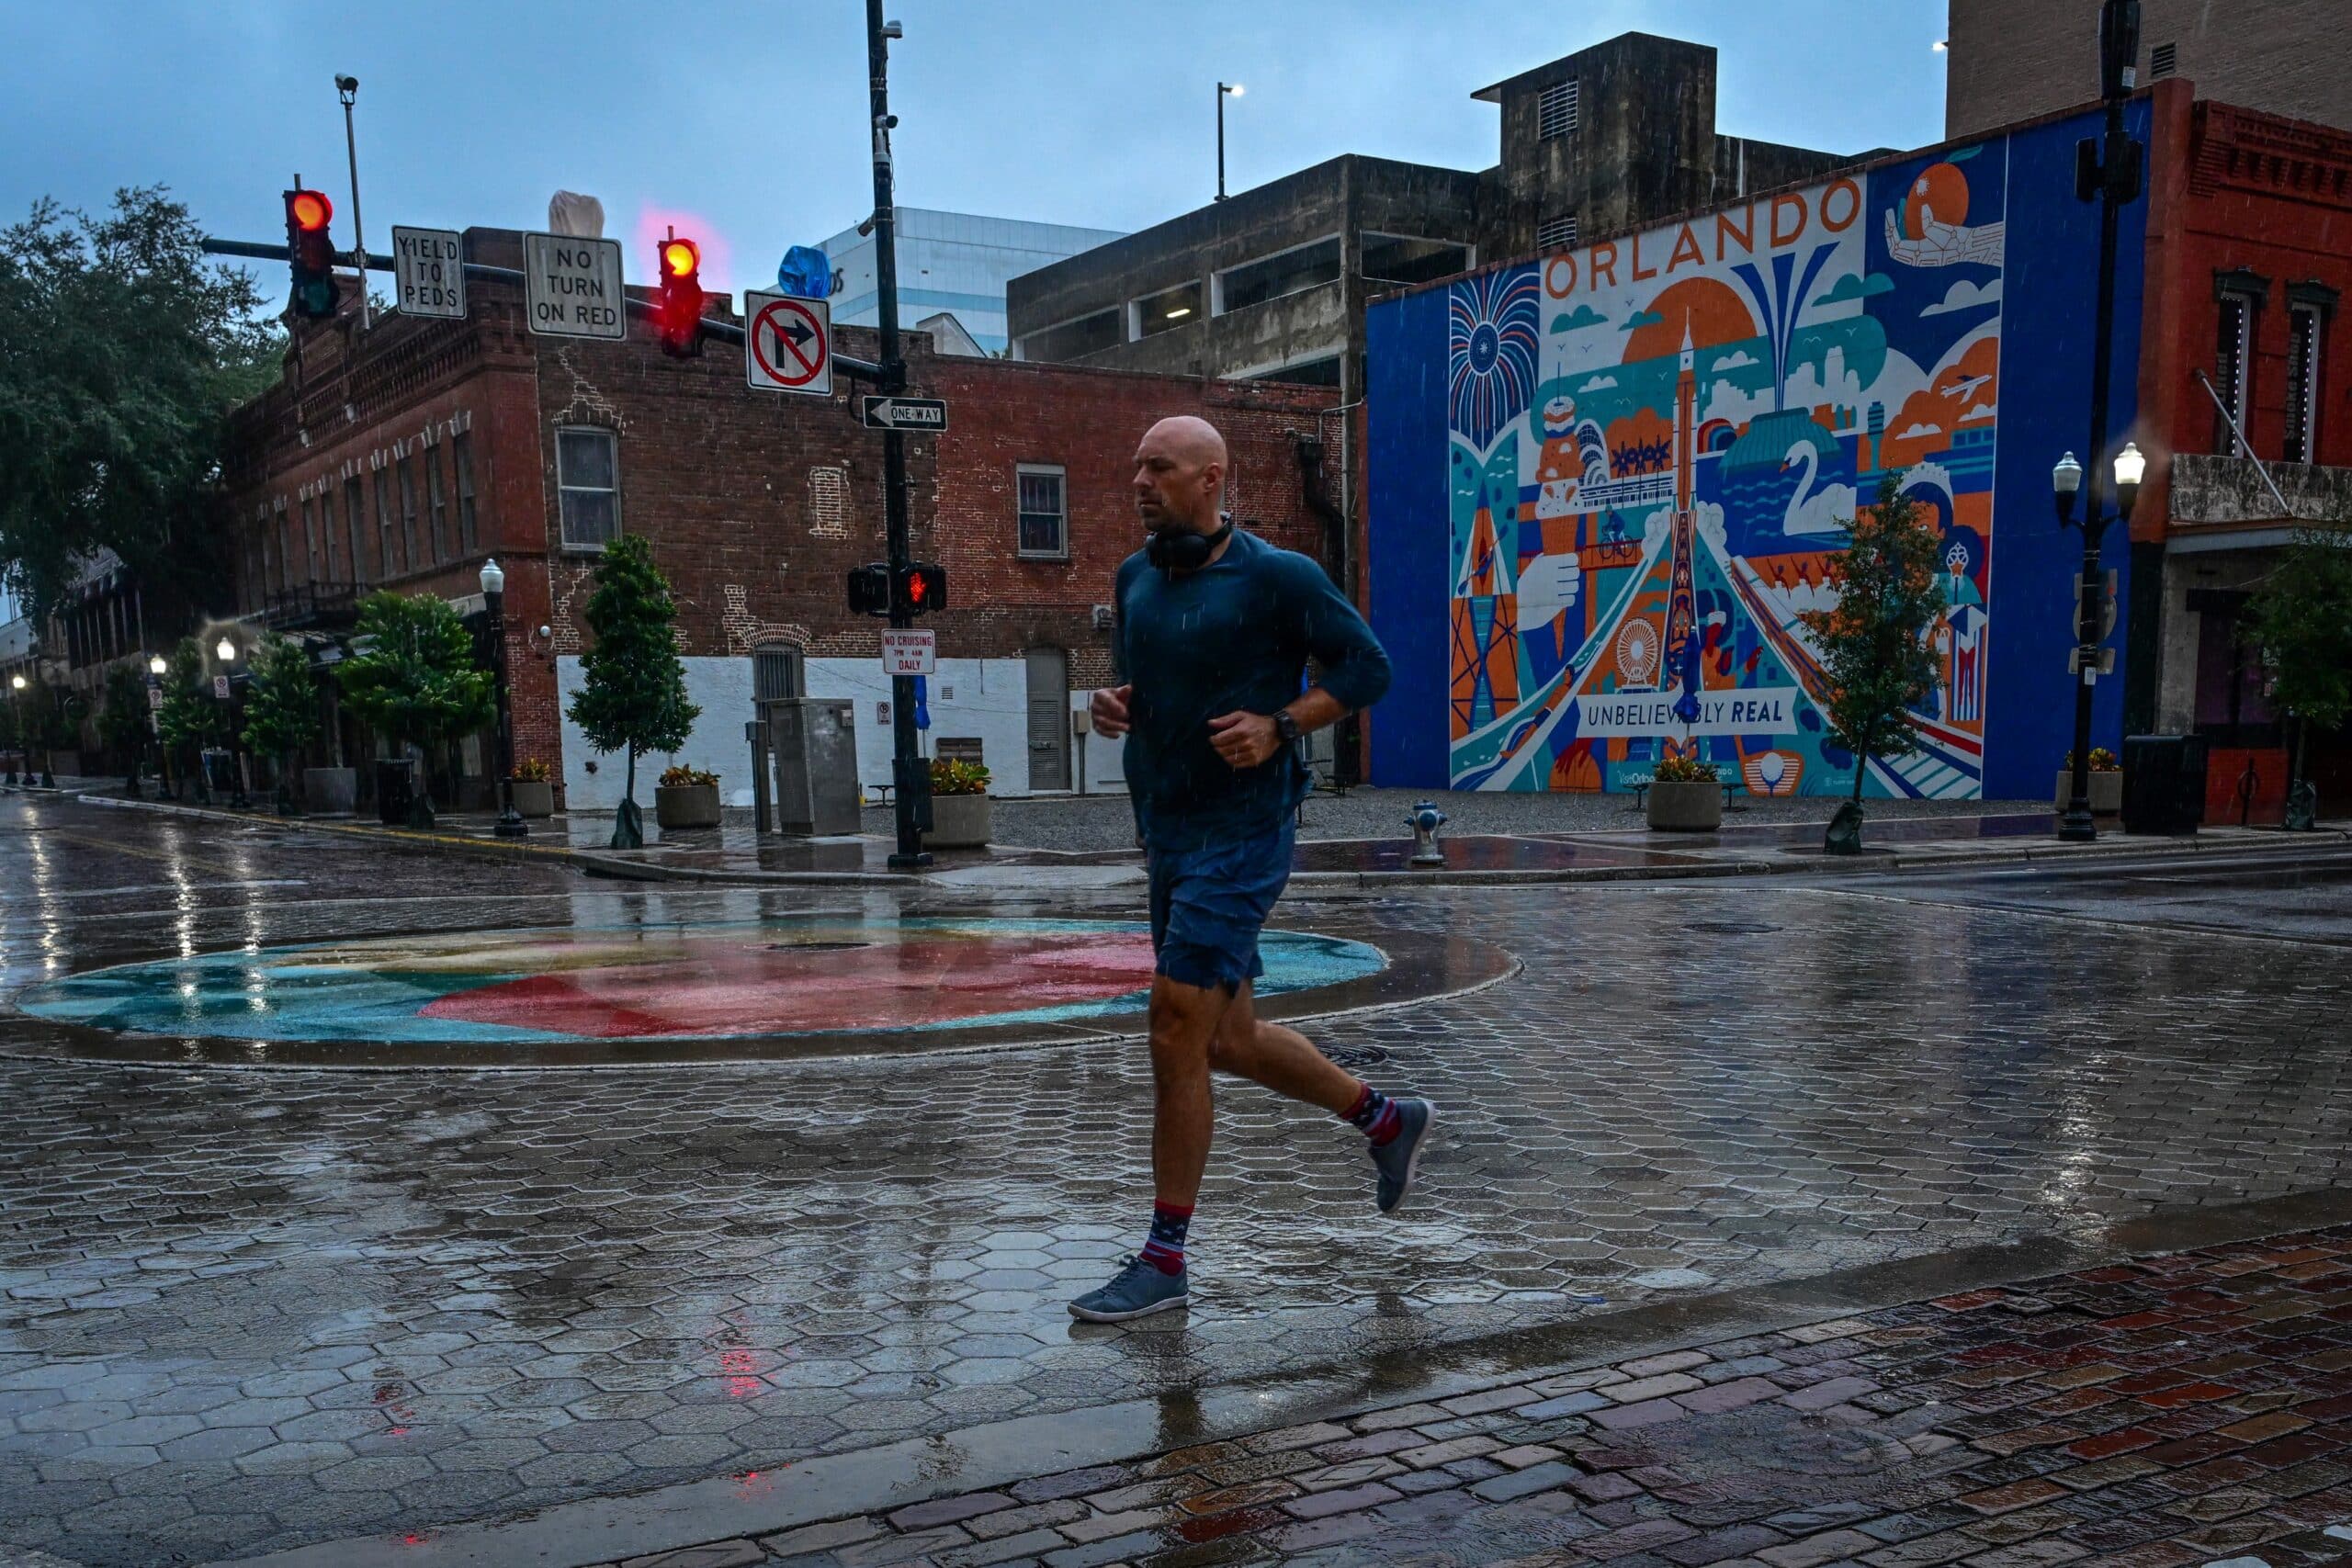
point(1232, 638)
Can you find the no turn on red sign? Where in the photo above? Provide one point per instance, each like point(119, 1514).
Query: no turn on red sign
point(787, 344)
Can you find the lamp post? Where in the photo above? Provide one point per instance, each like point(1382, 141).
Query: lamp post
point(17, 710)
point(494, 595)
point(2078, 826)
point(156, 665)
point(1224, 90)
point(49, 724)
point(226, 651)
point(2106, 170)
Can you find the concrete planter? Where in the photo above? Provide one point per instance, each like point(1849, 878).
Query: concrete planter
point(2107, 792)
point(331, 792)
point(1686, 807)
point(958, 821)
point(684, 806)
point(534, 798)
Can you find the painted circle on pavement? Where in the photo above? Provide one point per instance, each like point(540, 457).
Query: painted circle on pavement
point(802, 976)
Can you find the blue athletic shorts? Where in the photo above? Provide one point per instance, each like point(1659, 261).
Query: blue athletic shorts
point(1208, 904)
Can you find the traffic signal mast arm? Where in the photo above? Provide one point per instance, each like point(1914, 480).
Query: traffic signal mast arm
point(725, 331)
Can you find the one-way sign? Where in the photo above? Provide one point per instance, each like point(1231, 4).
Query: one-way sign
point(903, 414)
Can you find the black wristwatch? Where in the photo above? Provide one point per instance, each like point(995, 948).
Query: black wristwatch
point(1288, 728)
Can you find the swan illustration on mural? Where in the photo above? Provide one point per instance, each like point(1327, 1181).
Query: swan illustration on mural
point(1829, 510)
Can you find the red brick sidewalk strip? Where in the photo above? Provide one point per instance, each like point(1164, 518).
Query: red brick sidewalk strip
point(2183, 1409)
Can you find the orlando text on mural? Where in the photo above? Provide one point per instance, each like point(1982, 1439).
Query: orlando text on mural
point(1656, 444)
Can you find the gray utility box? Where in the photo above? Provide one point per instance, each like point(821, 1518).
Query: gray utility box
point(814, 742)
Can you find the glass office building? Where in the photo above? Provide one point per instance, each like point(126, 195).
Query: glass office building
point(956, 262)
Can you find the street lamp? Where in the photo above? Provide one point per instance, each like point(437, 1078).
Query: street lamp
point(2131, 467)
point(493, 593)
point(226, 651)
point(1224, 90)
point(17, 709)
point(156, 665)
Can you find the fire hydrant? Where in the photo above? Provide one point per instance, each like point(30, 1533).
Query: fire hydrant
point(1426, 820)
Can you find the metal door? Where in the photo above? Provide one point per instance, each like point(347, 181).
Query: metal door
point(1048, 718)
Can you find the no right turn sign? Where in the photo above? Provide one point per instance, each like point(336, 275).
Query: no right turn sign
point(787, 344)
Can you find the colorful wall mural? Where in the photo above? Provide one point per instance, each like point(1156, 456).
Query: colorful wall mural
point(1652, 447)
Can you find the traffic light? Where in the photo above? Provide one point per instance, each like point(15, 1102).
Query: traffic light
point(921, 586)
point(310, 249)
point(869, 589)
point(681, 306)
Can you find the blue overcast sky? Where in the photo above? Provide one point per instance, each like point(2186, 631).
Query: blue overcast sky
point(741, 119)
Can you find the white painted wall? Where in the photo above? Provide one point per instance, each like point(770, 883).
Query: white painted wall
point(987, 698)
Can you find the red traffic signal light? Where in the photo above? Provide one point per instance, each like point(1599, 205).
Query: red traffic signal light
point(310, 210)
point(310, 251)
point(923, 586)
point(679, 313)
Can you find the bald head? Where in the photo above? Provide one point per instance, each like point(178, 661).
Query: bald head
point(1179, 475)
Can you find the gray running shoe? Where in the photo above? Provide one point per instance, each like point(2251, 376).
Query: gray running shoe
point(1140, 1289)
point(1400, 1157)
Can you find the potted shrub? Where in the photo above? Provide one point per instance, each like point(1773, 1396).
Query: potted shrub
point(2106, 783)
point(686, 797)
point(959, 805)
point(1686, 796)
point(533, 787)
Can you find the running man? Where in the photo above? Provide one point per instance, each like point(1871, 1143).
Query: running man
point(1214, 630)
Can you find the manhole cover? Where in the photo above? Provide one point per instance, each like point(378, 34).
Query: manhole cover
point(1733, 928)
point(1357, 1056)
point(815, 946)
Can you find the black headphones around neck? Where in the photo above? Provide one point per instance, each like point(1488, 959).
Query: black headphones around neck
point(1188, 551)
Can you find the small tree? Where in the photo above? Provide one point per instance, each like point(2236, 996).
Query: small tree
point(1874, 649)
point(123, 722)
point(282, 708)
point(634, 694)
point(2302, 619)
point(411, 675)
point(191, 717)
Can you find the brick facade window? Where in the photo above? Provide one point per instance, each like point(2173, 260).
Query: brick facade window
point(354, 522)
point(411, 540)
point(311, 536)
point(776, 672)
point(829, 501)
point(1044, 529)
point(2308, 309)
point(2240, 294)
point(326, 536)
point(588, 484)
point(436, 496)
point(386, 524)
point(461, 453)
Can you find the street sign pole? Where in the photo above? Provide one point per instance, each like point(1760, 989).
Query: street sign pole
point(913, 792)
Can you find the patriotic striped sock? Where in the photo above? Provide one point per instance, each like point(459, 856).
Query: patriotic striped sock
point(1376, 1114)
point(1165, 1250)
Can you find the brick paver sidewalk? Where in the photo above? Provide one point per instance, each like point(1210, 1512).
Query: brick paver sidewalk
point(2188, 1409)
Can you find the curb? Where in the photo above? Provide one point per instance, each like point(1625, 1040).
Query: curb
point(590, 862)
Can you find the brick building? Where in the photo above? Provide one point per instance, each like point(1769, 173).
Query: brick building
point(401, 456)
point(2249, 261)
point(2012, 60)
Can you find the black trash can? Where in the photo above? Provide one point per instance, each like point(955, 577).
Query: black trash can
point(395, 792)
point(2164, 783)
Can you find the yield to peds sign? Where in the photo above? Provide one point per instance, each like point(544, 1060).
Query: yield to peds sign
point(787, 344)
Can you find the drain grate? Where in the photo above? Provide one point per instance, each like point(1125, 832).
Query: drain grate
point(815, 946)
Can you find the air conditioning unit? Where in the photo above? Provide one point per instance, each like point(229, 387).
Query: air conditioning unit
point(1104, 617)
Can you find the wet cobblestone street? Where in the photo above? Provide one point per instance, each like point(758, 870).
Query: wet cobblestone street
point(242, 1309)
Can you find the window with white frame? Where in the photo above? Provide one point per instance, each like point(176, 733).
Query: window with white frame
point(2308, 306)
point(588, 486)
point(1044, 531)
point(1557, 232)
point(461, 453)
point(1556, 110)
